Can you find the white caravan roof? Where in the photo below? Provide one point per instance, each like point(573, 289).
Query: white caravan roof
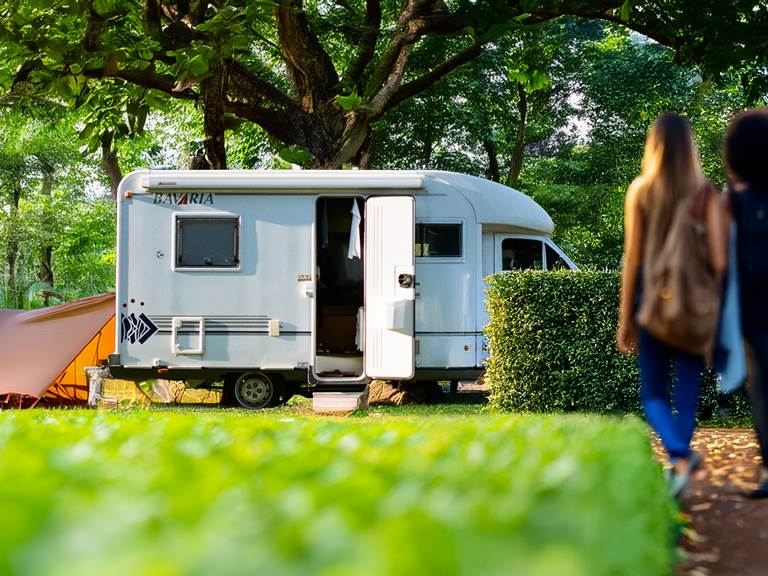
point(496, 204)
point(493, 203)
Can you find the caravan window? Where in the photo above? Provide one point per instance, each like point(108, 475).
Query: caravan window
point(207, 242)
point(521, 254)
point(555, 261)
point(438, 240)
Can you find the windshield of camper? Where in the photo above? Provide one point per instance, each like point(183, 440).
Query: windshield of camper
point(521, 254)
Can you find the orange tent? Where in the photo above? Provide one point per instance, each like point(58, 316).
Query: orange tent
point(43, 352)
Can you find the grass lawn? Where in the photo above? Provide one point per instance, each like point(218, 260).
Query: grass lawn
point(464, 405)
point(206, 491)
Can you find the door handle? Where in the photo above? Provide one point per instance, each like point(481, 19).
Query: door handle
point(405, 280)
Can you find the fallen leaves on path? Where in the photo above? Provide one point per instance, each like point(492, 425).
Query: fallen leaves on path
point(726, 533)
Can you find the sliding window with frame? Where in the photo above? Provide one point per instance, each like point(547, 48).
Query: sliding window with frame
point(204, 242)
point(439, 240)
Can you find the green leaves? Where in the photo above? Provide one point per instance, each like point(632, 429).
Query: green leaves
point(531, 79)
point(552, 342)
point(234, 493)
point(197, 66)
point(105, 8)
point(626, 10)
point(192, 64)
point(112, 110)
point(349, 102)
point(296, 155)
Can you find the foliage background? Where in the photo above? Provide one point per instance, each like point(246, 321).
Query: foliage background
point(558, 110)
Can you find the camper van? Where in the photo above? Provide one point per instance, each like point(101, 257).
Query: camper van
point(282, 281)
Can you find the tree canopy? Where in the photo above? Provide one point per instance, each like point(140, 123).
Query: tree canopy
point(316, 75)
point(556, 106)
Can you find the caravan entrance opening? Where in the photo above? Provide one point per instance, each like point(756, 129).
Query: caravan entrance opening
point(339, 231)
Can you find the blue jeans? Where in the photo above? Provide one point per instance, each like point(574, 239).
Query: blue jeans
point(656, 363)
point(757, 341)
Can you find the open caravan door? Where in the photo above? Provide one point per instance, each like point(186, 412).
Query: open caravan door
point(390, 287)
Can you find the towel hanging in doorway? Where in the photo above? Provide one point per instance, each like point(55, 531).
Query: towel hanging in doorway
point(354, 233)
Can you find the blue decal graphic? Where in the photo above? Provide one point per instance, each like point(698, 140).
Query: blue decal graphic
point(136, 329)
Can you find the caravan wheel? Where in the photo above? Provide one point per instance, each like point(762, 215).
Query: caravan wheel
point(257, 390)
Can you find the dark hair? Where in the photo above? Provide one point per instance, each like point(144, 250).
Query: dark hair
point(746, 147)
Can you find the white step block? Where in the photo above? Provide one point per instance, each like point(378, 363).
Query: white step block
point(341, 402)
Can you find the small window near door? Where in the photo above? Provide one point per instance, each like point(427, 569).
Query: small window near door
point(438, 240)
point(555, 261)
point(521, 254)
point(207, 242)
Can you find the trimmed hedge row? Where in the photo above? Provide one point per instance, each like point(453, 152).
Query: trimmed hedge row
point(552, 348)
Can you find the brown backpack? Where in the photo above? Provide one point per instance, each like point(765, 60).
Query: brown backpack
point(680, 303)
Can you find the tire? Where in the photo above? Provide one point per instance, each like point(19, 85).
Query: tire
point(256, 390)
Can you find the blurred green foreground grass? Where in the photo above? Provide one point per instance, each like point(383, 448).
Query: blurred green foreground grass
point(163, 493)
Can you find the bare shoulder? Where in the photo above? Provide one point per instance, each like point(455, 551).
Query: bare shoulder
point(633, 193)
point(714, 198)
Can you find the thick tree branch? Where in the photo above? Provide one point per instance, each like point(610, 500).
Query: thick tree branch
point(516, 164)
point(418, 24)
point(292, 126)
point(578, 8)
point(411, 25)
point(312, 73)
point(606, 10)
point(274, 122)
point(214, 95)
point(367, 42)
point(492, 171)
point(93, 30)
point(144, 78)
point(22, 74)
point(658, 32)
point(245, 86)
point(356, 133)
point(152, 15)
point(110, 163)
point(422, 83)
point(381, 101)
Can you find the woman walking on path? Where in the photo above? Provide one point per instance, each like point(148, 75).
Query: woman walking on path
point(671, 175)
point(746, 150)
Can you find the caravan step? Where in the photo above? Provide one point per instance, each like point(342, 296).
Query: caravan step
point(340, 401)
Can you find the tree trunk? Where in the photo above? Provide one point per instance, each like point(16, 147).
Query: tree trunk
point(517, 155)
point(363, 159)
point(12, 252)
point(12, 248)
point(110, 164)
point(45, 268)
point(492, 172)
point(427, 147)
point(214, 90)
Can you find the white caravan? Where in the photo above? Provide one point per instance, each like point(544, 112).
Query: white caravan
point(283, 281)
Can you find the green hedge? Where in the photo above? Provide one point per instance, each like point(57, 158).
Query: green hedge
point(552, 348)
point(233, 493)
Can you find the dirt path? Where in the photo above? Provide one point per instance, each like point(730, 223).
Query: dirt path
point(727, 534)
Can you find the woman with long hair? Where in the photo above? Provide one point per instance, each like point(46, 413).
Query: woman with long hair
point(671, 176)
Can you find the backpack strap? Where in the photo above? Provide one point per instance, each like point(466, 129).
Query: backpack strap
point(699, 204)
